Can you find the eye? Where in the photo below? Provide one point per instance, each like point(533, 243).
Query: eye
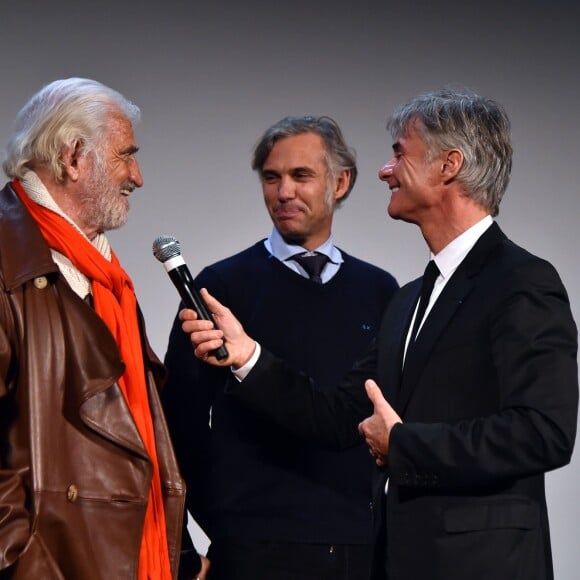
point(397, 151)
point(301, 174)
point(269, 177)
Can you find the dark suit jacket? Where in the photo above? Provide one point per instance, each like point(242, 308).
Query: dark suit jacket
point(489, 401)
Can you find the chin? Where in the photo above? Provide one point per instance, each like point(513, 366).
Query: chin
point(114, 222)
point(398, 212)
point(393, 213)
point(293, 237)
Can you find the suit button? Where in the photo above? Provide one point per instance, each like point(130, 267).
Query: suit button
point(72, 493)
point(40, 282)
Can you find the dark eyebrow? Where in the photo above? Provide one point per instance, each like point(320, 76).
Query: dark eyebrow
point(268, 172)
point(305, 169)
point(131, 150)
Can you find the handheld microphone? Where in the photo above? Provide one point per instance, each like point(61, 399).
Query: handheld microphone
point(166, 249)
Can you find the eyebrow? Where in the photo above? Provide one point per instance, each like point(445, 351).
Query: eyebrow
point(304, 169)
point(131, 150)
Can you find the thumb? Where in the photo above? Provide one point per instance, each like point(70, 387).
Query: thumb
point(212, 303)
point(374, 393)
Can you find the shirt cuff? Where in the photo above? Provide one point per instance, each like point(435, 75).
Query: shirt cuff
point(244, 370)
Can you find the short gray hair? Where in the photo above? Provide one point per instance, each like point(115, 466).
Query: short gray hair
point(477, 126)
point(63, 114)
point(339, 156)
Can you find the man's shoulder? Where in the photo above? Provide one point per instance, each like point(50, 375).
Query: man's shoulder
point(251, 253)
point(240, 264)
point(509, 258)
point(517, 267)
point(367, 270)
point(495, 249)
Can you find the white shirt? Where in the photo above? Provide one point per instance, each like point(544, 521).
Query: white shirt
point(283, 251)
point(448, 260)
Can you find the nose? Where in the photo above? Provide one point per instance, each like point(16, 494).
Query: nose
point(285, 188)
point(135, 174)
point(386, 170)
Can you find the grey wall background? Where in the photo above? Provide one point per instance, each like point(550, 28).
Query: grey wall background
point(211, 76)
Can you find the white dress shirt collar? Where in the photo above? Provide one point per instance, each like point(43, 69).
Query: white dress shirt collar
point(449, 258)
point(282, 250)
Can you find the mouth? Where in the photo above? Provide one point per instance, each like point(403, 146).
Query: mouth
point(394, 189)
point(127, 190)
point(287, 212)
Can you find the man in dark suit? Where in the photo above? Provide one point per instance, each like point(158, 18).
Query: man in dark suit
point(465, 411)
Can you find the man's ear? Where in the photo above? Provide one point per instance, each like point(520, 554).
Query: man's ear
point(452, 164)
point(342, 184)
point(70, 161)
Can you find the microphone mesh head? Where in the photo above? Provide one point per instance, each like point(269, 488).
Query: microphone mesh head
point(165, 248)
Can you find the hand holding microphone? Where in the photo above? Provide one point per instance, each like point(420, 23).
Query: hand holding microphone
point(167, 250)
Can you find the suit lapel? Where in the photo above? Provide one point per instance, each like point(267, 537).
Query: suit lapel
point(456, 291)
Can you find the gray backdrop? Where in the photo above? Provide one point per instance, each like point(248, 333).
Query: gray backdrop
point(211, 76)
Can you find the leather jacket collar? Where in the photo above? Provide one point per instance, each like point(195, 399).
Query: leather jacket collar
point(29, 255)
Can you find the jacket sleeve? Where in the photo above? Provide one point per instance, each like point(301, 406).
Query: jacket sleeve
point(532, 341)
point(297, 404)
point(14, 516)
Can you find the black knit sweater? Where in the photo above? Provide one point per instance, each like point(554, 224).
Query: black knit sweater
point(248, 480)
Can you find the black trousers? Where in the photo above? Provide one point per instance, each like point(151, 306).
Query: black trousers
point(274, 561)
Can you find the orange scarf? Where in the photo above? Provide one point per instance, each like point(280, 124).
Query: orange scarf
point(116, 304)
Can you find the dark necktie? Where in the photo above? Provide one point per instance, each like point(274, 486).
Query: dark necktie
point(429, 277)
point(313, 265)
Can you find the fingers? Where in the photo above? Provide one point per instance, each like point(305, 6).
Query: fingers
point(379, 459)
point(202, 333)
point(376, 429)
point(195, 325)
point(204, 341)
point(214, 306)
point(187, 314)
point(203, 351)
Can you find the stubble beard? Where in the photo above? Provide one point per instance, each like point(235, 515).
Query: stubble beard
point(104, 206)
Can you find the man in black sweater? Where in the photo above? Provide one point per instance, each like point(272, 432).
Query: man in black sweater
point(277, 508)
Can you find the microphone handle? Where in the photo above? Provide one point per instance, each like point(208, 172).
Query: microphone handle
point(182, 280)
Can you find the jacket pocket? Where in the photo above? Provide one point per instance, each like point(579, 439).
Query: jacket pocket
point(507, 514)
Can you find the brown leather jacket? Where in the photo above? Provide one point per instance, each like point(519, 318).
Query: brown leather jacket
point(74, 474)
